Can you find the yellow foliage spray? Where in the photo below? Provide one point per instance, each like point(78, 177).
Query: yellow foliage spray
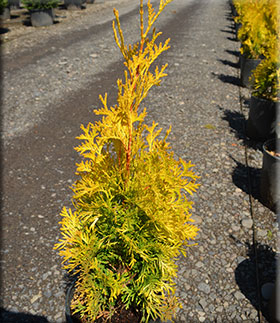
point(132, 215)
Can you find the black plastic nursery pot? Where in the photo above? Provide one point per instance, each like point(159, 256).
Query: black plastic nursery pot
point(69, 295)
point(41, 17)
point(270, 175)
point(74, 4)
point(262, 121)
point(6, 14)
point(14, 4)
point(247, 66)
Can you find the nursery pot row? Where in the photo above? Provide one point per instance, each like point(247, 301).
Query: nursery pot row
point(270, 174)
point(247, 66)
point(41, 17)
point(6, 14)
point(262, 121)
point(14, 4)
point(74, 4)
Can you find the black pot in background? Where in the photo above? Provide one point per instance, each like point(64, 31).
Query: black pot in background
point(270, 175)
point(262, 121)
point(6, 14)
point(247, 66)
point(41, 17)
point(14, 4)
point(75, 4)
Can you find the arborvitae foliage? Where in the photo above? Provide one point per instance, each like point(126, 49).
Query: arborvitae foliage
point(259, 29)
point(40, 4)
point(267, 76)
point(132, 213)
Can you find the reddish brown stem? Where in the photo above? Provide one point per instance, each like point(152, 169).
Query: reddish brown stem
point(128, 153)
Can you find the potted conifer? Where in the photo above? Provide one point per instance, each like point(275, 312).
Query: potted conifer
point(270, 174)
point(258, 27)
point(41, 11)
point(131, 216)
point(262, 122)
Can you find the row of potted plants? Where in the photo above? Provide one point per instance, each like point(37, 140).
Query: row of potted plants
point(257, 31)
point(41, 11)
point(132, 213)
point(260, 71)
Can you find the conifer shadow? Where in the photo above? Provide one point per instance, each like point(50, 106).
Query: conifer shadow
point(237, 123)
point(229, 63)
point(242, 175)
point(233, 39)
point(229, 79)
point(4, 30)
point(251, 274)
point(231, 30)
point(13, 317)
point(233, 52)
point(13, 16)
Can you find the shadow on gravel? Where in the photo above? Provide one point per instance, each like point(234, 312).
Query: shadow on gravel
point(13, 16)
point(232, 39)
point(229, 79)
point(4, 30)
point(252, 273)
point(237, 122)
point(13, 317)
point(229, 63)
point(233, 52)
point(231, 30)
point(240, 179)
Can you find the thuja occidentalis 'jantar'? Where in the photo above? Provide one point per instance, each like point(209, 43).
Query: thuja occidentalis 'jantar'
point(132, 214)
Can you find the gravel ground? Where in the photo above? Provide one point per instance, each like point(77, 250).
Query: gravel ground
point(52, 77)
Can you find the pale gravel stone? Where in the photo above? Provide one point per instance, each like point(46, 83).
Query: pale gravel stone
point(261, 233)
point(238, 295)
point(204, 287)
point(203, 303)
point(35, 297)
point(247, 223)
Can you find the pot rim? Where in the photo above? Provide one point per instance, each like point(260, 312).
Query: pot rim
point(263, 99)
point(267, 143)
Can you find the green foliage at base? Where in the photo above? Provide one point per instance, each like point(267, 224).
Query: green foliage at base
point(267, 77)
point(131, 217)
point(40, 4)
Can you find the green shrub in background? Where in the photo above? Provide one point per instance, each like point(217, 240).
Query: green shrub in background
point(40, 4)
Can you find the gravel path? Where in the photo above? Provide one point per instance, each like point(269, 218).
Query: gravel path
point(52, 77)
